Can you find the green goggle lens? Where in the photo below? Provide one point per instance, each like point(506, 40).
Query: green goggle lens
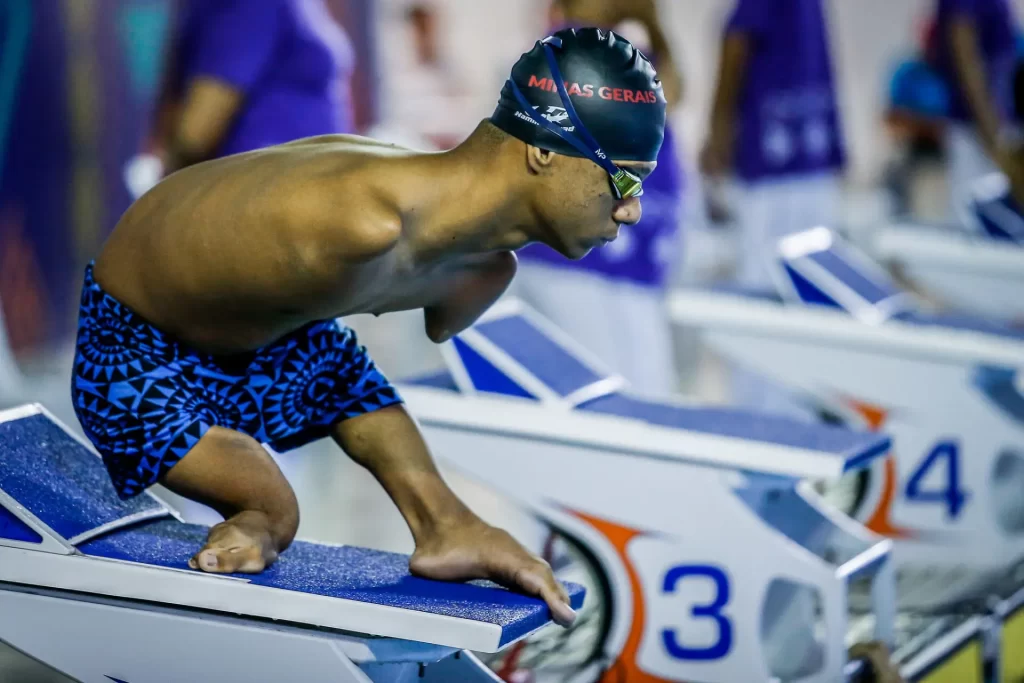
point(627, 185)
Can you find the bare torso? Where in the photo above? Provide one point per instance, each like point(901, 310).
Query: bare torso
point(233, 254)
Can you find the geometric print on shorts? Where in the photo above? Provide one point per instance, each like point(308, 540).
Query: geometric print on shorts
point(144, 399)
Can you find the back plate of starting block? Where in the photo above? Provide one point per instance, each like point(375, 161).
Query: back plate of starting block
point(815, 267)
point(60, 481)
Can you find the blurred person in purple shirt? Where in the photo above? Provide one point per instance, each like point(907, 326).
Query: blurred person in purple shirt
point(246, 74)
point(974, 49)
point(775, 139)
point(775, 128)
point(613, 300)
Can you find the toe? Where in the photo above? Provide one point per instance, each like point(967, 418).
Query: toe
point(230, 549)
point(217, 560)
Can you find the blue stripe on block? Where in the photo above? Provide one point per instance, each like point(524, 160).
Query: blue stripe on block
point(484, 376)
point(863, 459)
point(541, 356)
point(870, 290)
point(347, 573)
point(1001, 219)
point(13, 529)
point(807, 291)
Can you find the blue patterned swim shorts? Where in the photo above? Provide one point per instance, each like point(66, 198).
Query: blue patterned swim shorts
point(145, 399)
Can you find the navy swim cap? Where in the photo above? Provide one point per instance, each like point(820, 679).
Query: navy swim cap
point(613, 88)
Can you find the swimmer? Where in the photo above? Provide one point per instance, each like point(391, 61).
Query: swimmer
point(207, 325)
point(601, 301)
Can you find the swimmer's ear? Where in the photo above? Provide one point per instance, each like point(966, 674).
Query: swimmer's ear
point(539, 160)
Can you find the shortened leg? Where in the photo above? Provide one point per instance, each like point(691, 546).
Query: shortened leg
point(233, 474)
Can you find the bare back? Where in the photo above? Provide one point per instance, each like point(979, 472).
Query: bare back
point(232, 254)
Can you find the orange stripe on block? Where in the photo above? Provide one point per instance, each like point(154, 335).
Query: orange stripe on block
point(881, 519)
point(626, 668)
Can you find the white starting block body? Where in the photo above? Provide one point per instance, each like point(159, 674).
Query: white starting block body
point(710, 552)
point(100, 589)
point(946, 388)
point(980, 269)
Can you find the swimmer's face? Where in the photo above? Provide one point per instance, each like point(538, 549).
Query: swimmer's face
point(581, 208)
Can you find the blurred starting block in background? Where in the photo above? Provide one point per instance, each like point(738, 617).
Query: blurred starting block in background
point(100, 589)
point(980, 269)
point(946, 388)
point(704, 555)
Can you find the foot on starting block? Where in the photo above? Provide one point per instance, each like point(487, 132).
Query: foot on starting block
point(97, 588)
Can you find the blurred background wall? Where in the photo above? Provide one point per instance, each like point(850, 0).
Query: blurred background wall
point(77, 79)
point(77, 83)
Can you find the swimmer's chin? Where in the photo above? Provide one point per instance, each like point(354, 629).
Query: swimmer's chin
point(580, 255)
point(584, 249)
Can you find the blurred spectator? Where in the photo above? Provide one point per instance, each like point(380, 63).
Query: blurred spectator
point(612, 300)
point(974, 49)
point(245, 74)
point(915, 117)
point(775, 130)
point(775, 126)
point(425, 102)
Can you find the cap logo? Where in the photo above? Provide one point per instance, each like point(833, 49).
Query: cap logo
point(556, 115)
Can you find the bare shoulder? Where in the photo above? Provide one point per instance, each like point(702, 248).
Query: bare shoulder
point(349, 142)
point(368, 231)
point(338, 199)
point(346, 221)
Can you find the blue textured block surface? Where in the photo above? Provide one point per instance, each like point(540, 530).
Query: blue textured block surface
point(558, 369)
point(745, 425)
point(58, 480)
point(347, 573)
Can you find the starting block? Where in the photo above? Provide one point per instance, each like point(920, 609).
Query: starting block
point(946, 387)
point(980, 269)
point(707, 557)
point(100, 589)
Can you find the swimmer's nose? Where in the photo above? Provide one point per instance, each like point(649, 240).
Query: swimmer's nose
point(627, 211)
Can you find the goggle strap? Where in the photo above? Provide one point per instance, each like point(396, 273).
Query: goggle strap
point(529, 111)
point(563, 94)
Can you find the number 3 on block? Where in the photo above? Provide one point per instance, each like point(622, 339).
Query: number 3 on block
point(711, 611)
